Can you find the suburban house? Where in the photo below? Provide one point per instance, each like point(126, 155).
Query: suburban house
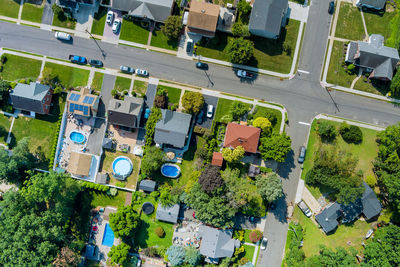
point(125, 113)
point(81, 164)
point(152, 10)
point(368, 205)
point(217, 159)
point(73, 5)
point(168, 214)
point(216, 244)
point(172, 129)
point(226, 19)
point(33, 97)
point(268, 17)
point(83, 103)
point(203, 18)
point(373, 57)
point(242, 135)
point(147, 186)
point(374, 4)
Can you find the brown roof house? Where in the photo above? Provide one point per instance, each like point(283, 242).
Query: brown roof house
point(242, 135)
point(217, 159)
point(125, 112)
point(81, 164)
point(203, 19)
point(83, 103)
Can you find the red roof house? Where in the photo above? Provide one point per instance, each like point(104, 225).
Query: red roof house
point(242, 135)
point(217, 159)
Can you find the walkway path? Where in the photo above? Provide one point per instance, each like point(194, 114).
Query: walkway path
point(365, 26)
point(255, 254)
point(8, 141)
point(21, 6)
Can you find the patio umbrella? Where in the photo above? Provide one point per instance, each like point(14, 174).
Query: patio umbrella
point(170, 155)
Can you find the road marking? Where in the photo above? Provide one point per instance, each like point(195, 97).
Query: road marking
point(304, 123)
point(303, 71)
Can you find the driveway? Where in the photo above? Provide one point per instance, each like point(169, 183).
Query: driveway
point(108, 34)
point(47, 17)
point(107, 86)
point(208, 100)
point(95, 141)
point(298, 12)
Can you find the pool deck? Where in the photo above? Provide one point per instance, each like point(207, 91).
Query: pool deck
point(123, 137)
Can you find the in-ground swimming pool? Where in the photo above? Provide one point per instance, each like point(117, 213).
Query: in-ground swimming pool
point(77, 137)
point(108, 236)
point(170, 170)
point(122, 167)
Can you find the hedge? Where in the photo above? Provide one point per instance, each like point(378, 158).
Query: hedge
point(98, 187)
point(55, 141)
point(154, 117)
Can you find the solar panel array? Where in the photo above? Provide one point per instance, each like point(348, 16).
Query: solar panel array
point(88, 100)
point(84, 109)
point(74, 97)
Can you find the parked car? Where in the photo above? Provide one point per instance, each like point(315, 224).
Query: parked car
point(96, 63)
point(127, 69)
point(210, 111)
point(369, 233)
point(264, 242)
point(141, 72)
point(63, 36)
point(302, 154)
point(77, 59)
point(110, 17)
point(200, 117)
point(244, 74)
point(201, 65)
point(331, 8)
point(147, 113)
point(189, 45)
point(304, 208)
point(116, 25)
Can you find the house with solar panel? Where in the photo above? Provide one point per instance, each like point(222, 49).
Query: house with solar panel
point(83, 103)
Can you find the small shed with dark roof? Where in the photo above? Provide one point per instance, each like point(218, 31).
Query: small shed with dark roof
point(167, 214)
point(217, 159)
point(147, 185)
point(253, 171)
point(101, 178)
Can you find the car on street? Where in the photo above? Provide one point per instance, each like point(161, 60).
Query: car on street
point(244, 74)
point(96, 63)
point(116, 25)
point(127, 69)
point(200, 117)
point(210, 111)
point(369, 233)
point(264, 242)
point(331, 8)
point(78, 59)
point(202, 65)
point(110, 17)
point(189, 45)
point(302, 154)
point(304, 208)
point(63, 36)
point(141, 72)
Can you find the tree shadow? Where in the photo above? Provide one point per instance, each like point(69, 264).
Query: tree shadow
point(285, 168)
point(142, 235)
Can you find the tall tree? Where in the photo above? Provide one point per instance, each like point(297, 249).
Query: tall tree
point(240, 50)
point(275, 147)
point(232, 155)
point(269, 187)
point(192, 102)
point(4, 91)
point(238, 109)
point(119, 254)
point(193, 256)
point(152, 160)
point(329, 257)
point(172, 27)
point(210, 179)
point(124, 222)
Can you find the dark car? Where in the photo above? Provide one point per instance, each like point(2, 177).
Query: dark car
point(96, 63)
point(201, 65)
point(331, 8)
point(200, 117)
point(127, 69)
point(302, 154)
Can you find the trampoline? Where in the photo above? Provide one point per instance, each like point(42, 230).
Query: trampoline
point(148, 208)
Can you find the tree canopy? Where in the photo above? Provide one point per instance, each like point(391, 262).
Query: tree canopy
point(327, 131)
point(238, 109)
point(275, 147)
point(329, 257)
point(4, 91)
point(119, 254)
point(240, 50)
point(172, 27)
point(232, 155)
point(124, 222)
point(263, 123)
point(152, 160)
point(269, 187)
point(193, 256)
point(210, 179)
point(192, 102)
point(176, 255)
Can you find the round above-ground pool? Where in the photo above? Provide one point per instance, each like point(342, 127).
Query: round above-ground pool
point(77, 137)
point(170, 170)
point(148, 208)
point(122, 167)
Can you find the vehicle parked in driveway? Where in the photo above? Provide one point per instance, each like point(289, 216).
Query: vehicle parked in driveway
point(369, 233)
point(116, 25)
point(302, 154)
point(331, 8)
point(264, 242)
point(96, 63)
point(200, 117)
point(77, 59)
point(63, 36)
point(201, 65)
point(210, 111)
point(141, 72)
point(304, 208)
point(110, 17)
point(244, 74)
point(127, 69)
point(189, 45)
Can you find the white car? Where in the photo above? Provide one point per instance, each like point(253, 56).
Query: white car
point(63, 36)
point(264, 242)
point(116, 25)
point(244, 74)
point(304, 208)
point(110, 17)
point(210, 110)
point(141, 72)
point(369, 233)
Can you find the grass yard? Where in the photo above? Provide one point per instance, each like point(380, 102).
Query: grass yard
point(336, 73)
point(100, 199)
point(379, 24)
point(158, 39)
point(99, 21)
point(97, 82)
point(139, 87)
point(366, 153)
point(9, 8)
point(223, 107)
point(17, 68)
point(249, 252)
point(349, 25)
point(69, 76)
point(5, 123)
point(345, 236)
point(32, 12)
point(215, 47)
point(277, 113)
point(60, 20)
point(122, 84)
point(132, 31)
point(372, 86)
point(174, 94)
point(106, 166)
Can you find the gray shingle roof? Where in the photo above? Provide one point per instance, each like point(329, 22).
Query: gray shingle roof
point(371, 205)
point(378, 4)
point(125, 112)
point(267, 15)
point(168, 214)
point(157, 10)
point(147, 185)
point(173, 128)
point(29, 96)
point(328, 217)
point(216, 243)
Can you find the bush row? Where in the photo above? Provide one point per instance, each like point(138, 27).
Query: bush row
point(55, 140)
point(154, 117)
point(98, 187)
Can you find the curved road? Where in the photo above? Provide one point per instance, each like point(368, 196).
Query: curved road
point(303, 96)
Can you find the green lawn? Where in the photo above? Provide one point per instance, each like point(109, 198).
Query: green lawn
point(277, 114)
point(99, 21)
point(158, 39)
point(174, 94)
point(132, 31)
point(5, 123)
point(61, 21)
point(345, 235)
point(69, 76)
point(249, 252)
point(102, 200)
point(97, 82)
point(336, 73)
point(32, 12)
point(366, 153)
point(139, 87)
point(372, 86)
point(17, 67)
point(349, 25)
point(122, 84)
point(215, 47)
point(379, 24)
point(9, 8)
point(223, 108)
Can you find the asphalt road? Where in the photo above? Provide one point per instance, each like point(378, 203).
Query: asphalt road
point(302, 96)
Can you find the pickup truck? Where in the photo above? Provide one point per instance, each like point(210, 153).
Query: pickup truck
point(77, 59)
point(244, 74)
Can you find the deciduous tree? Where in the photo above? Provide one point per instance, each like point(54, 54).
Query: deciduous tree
point(152, 160)
point(269, 187)
point(232, 155)
point(119, 254)
point(66, 257)
point(192, 102)
point(327, 131)
point(172, 27)
point(124, 222)
point(240, 50)
point(275, 147)
point(238, 109)
point(193, 256)
point(263, 123)
point(210, 179)
point(329, 257)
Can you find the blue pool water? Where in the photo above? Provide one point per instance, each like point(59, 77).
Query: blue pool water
point(170, 171)
point(122, 166)
point(108, 237)
point(77, 137)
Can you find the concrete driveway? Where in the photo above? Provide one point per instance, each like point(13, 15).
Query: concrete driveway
point(208, 100)
point(108, 34)
point(47, 17)
point(107, 86)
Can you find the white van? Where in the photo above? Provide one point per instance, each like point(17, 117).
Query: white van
point(63, 36)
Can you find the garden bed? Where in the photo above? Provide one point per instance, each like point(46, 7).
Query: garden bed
point(174, 94)
point(139, 87)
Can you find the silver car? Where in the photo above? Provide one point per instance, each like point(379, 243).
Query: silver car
point(304, 208)
point(264, 242)
point(116, 25)
point(110, 17)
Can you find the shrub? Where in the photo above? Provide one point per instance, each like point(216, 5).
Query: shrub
point(243, 261)
point(159, 231)
point(113, 191)
point(326, 131)
point(370, 180)
point(154, 117)
point(90, 185)
point(239, 235)
point(351, 134)
point(3, 59)
point(351, 69)
point(255, 236)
